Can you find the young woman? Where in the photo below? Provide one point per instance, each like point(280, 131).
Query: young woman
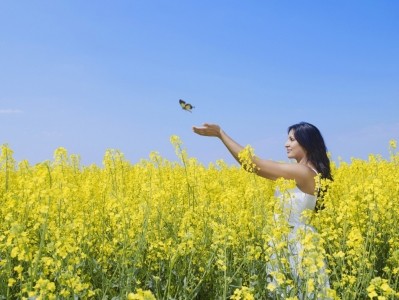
point(304, 144)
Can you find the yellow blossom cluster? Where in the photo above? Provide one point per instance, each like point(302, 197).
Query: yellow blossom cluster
point(161, 229)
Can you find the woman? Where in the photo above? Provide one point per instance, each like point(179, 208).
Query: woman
point(304, 144)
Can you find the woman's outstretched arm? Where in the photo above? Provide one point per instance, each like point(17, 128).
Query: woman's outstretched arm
point(269, 169)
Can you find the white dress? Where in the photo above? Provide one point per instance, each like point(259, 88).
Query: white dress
point(304, 256)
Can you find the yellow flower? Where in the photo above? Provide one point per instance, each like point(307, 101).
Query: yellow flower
point(65, 293)
point(244, 293)
point(372, 294)
point(245, 157)
point(385, 287)
point(339, 254)
point(272, 286)
point(50, 286)
point(14, 252)
point(18, 269)
point(175, 140)
point(141, 295)
point(310, 285)
point(11, 282)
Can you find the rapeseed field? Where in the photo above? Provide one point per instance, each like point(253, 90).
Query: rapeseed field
point(161, 229)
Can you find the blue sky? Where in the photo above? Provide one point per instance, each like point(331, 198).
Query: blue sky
point(96, 75)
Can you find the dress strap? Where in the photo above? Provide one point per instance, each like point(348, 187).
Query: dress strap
point(314, 170)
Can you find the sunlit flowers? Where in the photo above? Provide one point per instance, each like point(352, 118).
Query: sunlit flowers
point(161, 229)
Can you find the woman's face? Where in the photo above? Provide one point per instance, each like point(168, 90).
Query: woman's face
point(294, 149)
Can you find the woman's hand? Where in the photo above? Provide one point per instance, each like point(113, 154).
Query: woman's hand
point(208, 130)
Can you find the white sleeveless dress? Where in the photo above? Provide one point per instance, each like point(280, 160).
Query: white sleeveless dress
point(295, 204)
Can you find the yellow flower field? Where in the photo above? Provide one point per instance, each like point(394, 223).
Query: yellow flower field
point(161, 229)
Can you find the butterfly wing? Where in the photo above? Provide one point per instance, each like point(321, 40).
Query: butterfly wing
point(185, 106)
point(182, 103)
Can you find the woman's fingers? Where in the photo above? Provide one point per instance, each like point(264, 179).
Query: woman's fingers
point(199, 130)
point(207, 129)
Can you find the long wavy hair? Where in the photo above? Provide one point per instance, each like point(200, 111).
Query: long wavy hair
point(310, 138)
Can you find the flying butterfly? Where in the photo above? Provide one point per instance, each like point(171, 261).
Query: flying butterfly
point(185, 106)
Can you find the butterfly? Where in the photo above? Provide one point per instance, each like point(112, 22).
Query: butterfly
point(185, 106)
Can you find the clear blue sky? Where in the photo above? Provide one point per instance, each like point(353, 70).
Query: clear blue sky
point(97, 75)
